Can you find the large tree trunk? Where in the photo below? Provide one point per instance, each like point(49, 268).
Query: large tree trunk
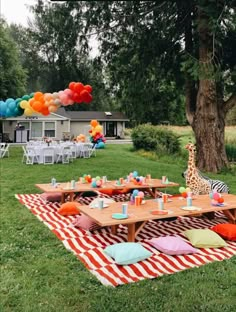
point(207, 116)
point(209, 128)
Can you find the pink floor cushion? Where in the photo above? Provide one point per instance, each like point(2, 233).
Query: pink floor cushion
point(51, 197)
point(172, 245)
point(85, 223)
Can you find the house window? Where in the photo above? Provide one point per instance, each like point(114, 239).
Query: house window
point(25, 124)
point(37, 130)
point(49, 129)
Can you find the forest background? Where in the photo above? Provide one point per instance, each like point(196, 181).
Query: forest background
point(158, 61)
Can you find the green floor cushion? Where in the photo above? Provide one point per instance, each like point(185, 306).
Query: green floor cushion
point(204, 238)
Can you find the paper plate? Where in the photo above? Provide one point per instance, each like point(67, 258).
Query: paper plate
point(159, 212)
point(119, 184)
point(143, 202)
point(119, 216)
point(96, 206)
point(190, 208)
point(219, 205)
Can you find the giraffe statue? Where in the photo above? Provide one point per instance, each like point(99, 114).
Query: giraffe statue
point(194, 181)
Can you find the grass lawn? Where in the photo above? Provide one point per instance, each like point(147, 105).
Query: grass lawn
point(39, 274)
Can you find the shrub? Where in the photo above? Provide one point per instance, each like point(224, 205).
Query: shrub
point(159, 139)
point(230, 148)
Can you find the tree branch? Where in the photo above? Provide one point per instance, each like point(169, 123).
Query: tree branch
point(230, 103)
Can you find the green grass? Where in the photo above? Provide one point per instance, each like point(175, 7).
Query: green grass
point(39, 274)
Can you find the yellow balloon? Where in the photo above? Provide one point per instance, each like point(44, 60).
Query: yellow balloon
point(99, 128)
point(24, 104)
point(28, 111)
point(188, 189)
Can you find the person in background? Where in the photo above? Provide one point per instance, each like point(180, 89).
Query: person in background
point(19, 126)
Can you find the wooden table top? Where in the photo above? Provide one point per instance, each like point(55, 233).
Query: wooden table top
point(83, 187)
point(143, 212)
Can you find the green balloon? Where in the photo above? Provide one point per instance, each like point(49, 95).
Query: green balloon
point(26, 97)
point(182, 189)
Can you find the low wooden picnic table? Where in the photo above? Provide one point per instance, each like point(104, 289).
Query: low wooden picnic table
point(65, 188)
point(139, 215)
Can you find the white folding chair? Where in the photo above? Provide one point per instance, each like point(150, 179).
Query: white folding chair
point(64, 155)
point(86, 150)
point(93, 150)
point(48, 155)
point(29, 155)
point(73, 150)
point(4, 150)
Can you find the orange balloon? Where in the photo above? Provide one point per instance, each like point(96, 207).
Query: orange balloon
point(93, 123)
point(38, 95)
point(52, 108)
point(220, 200)
point(37, 106)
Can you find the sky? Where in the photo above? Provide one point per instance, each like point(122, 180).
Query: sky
point(15, 11)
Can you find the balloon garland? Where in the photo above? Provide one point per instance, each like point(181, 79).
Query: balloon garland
point(96, 135)
point(46, 103)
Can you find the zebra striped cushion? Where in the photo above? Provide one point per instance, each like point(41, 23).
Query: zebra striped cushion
point(216, 185)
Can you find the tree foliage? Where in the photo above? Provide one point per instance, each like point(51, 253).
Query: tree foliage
point(150, 44)
point(12, 77)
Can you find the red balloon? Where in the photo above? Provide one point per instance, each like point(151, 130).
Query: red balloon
point(88, 88)
point(72, 86)
point(84, 95)
point(78, 87)
point(89, 99)
point(45, 111)
point(184, 194)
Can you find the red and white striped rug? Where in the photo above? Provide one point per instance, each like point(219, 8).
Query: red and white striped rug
point(88, 247)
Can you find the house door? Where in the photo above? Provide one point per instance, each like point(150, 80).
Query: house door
point(111, 129)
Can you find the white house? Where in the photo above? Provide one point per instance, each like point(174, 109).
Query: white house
point(62, 125)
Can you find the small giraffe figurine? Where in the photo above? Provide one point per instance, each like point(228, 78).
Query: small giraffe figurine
point(194, 181)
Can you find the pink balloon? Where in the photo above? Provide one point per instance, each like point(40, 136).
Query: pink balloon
point(64, 98)
point(216, 196)
point(68, 92)
point(141, 194)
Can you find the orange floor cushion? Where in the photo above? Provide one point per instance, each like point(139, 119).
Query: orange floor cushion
point(69, 209)
point(111, 192)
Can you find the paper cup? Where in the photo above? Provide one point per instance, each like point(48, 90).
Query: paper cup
point(124, 209)
point(163, 179)
point(160, 204)
point(100, 203)
point(137, 200)
point(165, 198)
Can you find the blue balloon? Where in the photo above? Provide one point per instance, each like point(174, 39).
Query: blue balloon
point(9, 100)
point(100, 145)
point(135, 174)
point(3, 108)
point(135, 192)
